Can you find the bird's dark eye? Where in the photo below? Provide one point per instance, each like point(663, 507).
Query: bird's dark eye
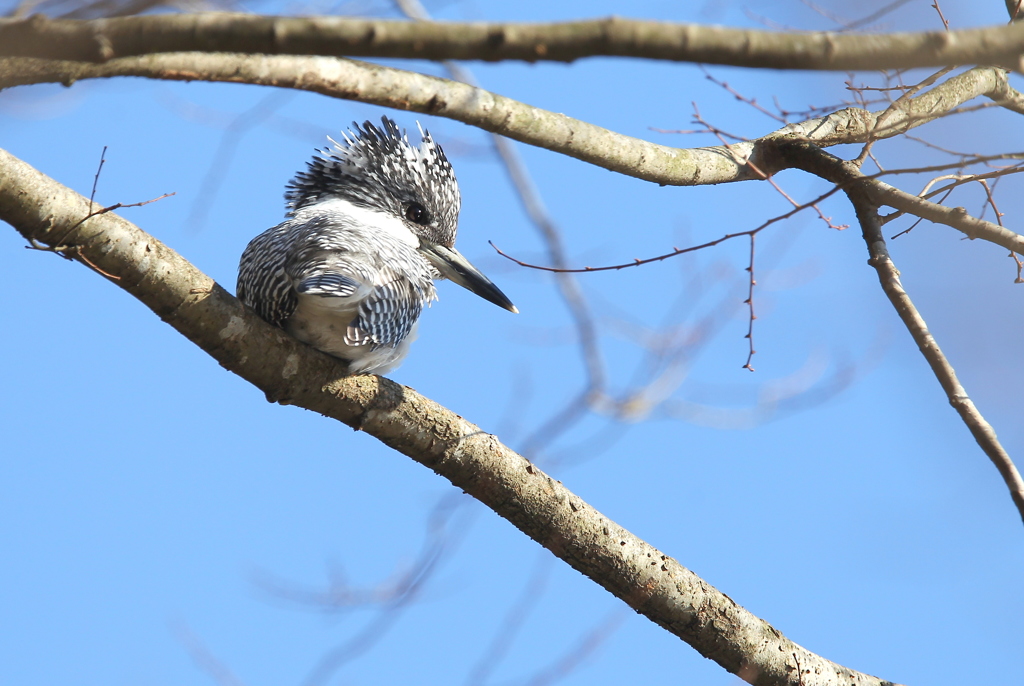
point(416, 213)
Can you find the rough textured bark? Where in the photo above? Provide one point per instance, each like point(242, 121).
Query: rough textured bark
point(650, 582)
point(102, 39)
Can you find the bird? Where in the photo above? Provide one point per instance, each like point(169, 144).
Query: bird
point(370, 225)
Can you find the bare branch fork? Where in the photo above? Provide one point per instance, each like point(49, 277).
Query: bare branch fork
point(61, 247)
point(650, 582)
point(868, 189)
point(103, 39)
point(867, 195)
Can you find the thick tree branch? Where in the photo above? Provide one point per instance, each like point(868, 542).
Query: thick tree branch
point(395, 88)
point(399, 89)
point(866, 195)
point(653, 584)
point(102, 39)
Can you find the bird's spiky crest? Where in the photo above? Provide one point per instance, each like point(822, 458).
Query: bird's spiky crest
point(377, 168)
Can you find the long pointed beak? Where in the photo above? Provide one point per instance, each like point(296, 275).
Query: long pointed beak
point(454, 267)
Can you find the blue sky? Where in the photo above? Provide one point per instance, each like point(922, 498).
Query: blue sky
point(151, 502)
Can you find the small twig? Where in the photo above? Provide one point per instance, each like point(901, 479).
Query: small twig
point(675, 251)
point(863, 21)
point(960, 179)
point(878, 164)
point(637, 262)
point(907, 95)
point(923, 194)
point(767, 22)
point(741, 161)
point(63, 249)
point(967, 109)
point(122, 205)
point(990, 201)
point(81, 256)
point(752, 233)
point(933, 146)
point(60, 246)
point(742, 98)
point(719, 133)
point(935, 6)
point(749, 302)
point(877, 89)
point(811, 111)
point(1020, 266)
point(865, 152)
point(96, 179)
point(926, 191)
point(836, 19)
point(999, 171)
point(1016, 12)
point(695, 131)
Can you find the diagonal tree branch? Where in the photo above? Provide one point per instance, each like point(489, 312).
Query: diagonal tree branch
point(866, 196)
point(102, 39)
point(653, 584)
point(404, 90)
point(954, 217)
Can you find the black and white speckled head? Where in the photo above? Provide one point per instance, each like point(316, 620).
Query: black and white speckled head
point(378, 169)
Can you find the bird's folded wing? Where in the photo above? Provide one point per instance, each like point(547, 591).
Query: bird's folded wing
point(391, 309)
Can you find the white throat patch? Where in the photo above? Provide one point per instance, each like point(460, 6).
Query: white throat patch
point(386, 222)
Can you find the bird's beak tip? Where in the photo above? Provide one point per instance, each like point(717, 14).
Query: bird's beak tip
point(451, 265)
